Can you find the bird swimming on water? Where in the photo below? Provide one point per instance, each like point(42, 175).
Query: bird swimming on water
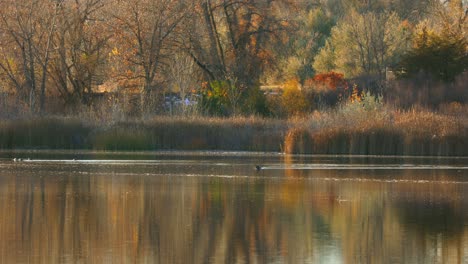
point(258, 167)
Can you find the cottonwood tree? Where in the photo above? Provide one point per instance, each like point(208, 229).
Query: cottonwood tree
point(182, 75)
point(80, 41)
point(144, 40)
point(311, 29)
point(27, 28)
point(412, 10)
point(364, 45)
point(229, 38)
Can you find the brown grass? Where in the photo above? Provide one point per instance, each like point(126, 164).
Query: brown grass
point(159, 133)
point(345, 131)
point(380, 133)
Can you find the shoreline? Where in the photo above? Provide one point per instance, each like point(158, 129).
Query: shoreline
point(402, 134)
point(208, 153)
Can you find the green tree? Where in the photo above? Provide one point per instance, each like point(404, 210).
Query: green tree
point(440, 46)
point(442, 57)
point(310, 26)
point(364, 45)
point(312, 31)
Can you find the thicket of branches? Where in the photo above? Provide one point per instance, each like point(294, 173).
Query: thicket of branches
point(62, 54)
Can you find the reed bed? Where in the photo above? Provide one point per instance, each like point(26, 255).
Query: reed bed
point(381, 132)
point(385, 132)
point(159, 133)
point(166, 133)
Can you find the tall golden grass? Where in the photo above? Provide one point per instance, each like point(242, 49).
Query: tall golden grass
point(200, 133)
point(159, 133)
point(383, 132)
point(345, 131)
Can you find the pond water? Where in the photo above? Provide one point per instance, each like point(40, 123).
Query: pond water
point(214, 207)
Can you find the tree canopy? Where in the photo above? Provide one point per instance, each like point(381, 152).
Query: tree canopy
point(73, 50)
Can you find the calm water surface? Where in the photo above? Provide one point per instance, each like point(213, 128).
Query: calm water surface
point(216, 208)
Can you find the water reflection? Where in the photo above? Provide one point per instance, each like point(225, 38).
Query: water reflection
point(183, 213)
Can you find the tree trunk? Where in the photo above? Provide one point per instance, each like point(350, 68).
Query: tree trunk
point(146, 99)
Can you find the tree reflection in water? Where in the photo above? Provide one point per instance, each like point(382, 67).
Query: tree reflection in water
point(99, 214)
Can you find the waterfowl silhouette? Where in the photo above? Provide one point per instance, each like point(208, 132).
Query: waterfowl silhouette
point(258, 167)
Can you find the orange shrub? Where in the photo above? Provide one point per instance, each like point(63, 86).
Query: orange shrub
point(327, 81)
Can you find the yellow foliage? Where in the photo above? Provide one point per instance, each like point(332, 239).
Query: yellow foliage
point(115, 51)
point(424, 36)
point(355, 96)
point(294, 101)
point(291, 84)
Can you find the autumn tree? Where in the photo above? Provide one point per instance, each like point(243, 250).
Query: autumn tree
point(364, 45)
point(182, 76)
point(27, 28)
point(228, 40)
point(412, 10)
point(440, 46)
point(71, 47)
point(80, 41)
point(306, 36)
point(312, 26)
point(144, 40)
point(293, 99)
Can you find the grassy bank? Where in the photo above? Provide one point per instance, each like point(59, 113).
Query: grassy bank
point(381, 133)
point(344, 131)
point(162, 133)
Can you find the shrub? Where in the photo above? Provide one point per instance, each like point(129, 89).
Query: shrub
point(326, 81)
point(214, 99)
point(294, 102)
point(255, 103)
point(326, 89)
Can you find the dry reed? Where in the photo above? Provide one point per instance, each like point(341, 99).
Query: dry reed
point(381, 132)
